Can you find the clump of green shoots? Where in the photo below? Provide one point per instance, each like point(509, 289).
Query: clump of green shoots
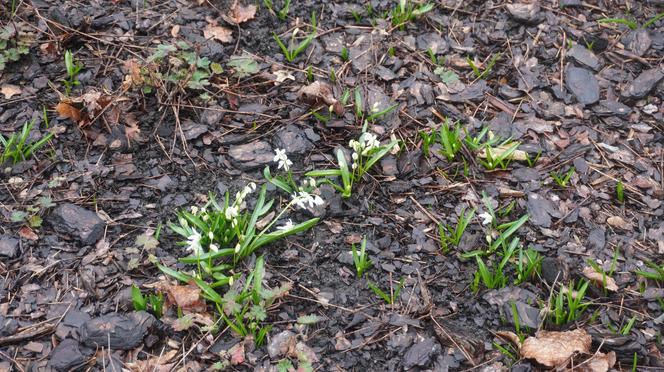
point(632, 23)
point(345, 54)
point(281, 14)
point(361, 258)
point(388, 298)
point(528, 265)
point(292, 51)
point(73, 68)
point(568, 304)
point(451, 236)
point(494, 277)
point(153, 303)
point(450, 139)
point(655, 272)
point(498, 157)
point(15, 148)
point(405, 12)
point(482, 74)
point(367, 151)
point(562, 179)
point(533, 160)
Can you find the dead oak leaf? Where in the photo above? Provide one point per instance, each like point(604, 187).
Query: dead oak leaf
point(599, 362)
point(317, 93)
point(67, 111)
point(600, 279)
point(554, 349)
point(223, 34)
point(239, 13)
point(9, 90)
point(186, 297)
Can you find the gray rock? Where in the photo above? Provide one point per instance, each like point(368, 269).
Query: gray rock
point(638, 41)
point(419, 354)
point(472, 93)
point(529, 316)
point(611, 108)
point(596, 240)
point(8, 246)
point(583, 84)
point(432, 41)
point(251, 155)
point(68, 355)
point(525, 13)
point(116, 330)
point(541, 210)
point(584, 57)
point(78, 222)
point(293, 140)
point(643, 84)
point(212, 115)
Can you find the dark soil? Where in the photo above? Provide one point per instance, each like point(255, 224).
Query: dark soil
point(584, 94)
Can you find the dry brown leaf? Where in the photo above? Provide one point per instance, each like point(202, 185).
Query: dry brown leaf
point(598, 278)
point(317, 93)
point(27, 233)
point(599, 362)
point(511, 337)
point(155, 364)
point(554, 349)
point(67, 111)
point(9, 90)
point(223, 34)
point(239, 13)
point(619, 222)
point(186, 297)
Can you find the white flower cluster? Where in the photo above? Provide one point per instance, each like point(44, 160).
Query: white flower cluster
point(362, 147)
point(303, 198)
point(281, 158)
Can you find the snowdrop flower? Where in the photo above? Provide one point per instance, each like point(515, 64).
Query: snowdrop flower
point(370, 142)
point(194, 209)
point(375, 107)
point(287, 226)
point(237, 248)
point(355, 156)
point(486, 218)
point(303, 198)
point(231, 212)
point(282, 159)
point(194, 243)
point(214, 248)
point(354, 166)
point(211, 235)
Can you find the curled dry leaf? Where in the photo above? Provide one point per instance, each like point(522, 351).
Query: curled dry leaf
point(9, 90)
point(223, 34)
point(619, 222)
point(599, 362)
point(318, 93)
point(239, 13)
point(599, 278)
point(160, 363)
point(27, 233)
point(511, 337)
point(554, 349)
point(67, 111)
point(187, 297)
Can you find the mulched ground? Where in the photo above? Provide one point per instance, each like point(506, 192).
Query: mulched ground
point(587, 95)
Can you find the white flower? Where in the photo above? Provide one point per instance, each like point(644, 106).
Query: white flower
point(369, 142)
point(231, 212)
point(303, 198)
point(354, 166)
point(287, 226)
point(486, 218)
point(282, 159)
point(194, 243)
point(214, 248)
point(237, 248)
point(375, 107)
point(194, 209)
point(355, 156)
point(211, 235)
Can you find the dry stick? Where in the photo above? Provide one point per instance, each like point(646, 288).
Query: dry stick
point(463, 351)
point(434, 219)
point(562, 58)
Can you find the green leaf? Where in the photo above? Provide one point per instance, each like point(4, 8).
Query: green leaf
point(18, 216)
point(216, 68)
point(448, 77)
point(243, 65)
point(324, 173)
point(378, 155)
point(279, 234)
point(208, 292)
point(278, 182)
point(207, 256)
point(147, 241)
point(137, 298)
point(170, 272)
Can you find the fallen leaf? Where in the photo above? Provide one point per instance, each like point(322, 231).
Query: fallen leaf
point(9, 90)
point(27, 233)
point(619, 222)
point(599, 362)
point(598, 278)
point(186, 297)
point(223, 34)
point(237, 353)
point(155, 364)
point(240, 13)
point(554, 349)
point(518, 155)
point(317, 93)
point(283, 75)
point(67, 111)
point(175, 31)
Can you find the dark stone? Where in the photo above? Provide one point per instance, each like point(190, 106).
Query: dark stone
point(584, 57)
point(68, 355)
point(583, 84)
point(526, 174)
point(540, 210)
point(525, 13)
point(293, 140)
point(8, 246)
point(529, 316)
point(78, 222)
point(611, 108)
point(419, 354)
point(473, 93)
point(638, 41)
point(553, 270)
point(596, 240)
point(251, 155)
point(643, 84)
point(118, 331)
